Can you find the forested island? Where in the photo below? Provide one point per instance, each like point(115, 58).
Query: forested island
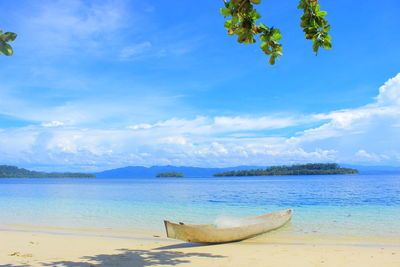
point(170, 174)
point(7, 171)
point(302, 169)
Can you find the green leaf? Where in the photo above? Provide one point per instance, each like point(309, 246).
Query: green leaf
point(226, 12)
point(315, 46)
point(327, 28)
point(328, 37)
point(277, 36)
point(235, 19)
point(256, 2)
point(272, 60)
point(255, 15)
point(8, 36)
point(228, 24)
point(264, 45)
point(5, 48)
point(322, 13)
point(327, 45)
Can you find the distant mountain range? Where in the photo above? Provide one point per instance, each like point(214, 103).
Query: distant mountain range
point(374, 169)
point(151, 172)
point(147, 172)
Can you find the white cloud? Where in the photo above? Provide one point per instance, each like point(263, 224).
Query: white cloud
point(53, 124)
point(140, 126)
point(240, 123)
point(202, 125)
point(367, 134)
point(352, 132)
point(177, 140)
point(389, 93)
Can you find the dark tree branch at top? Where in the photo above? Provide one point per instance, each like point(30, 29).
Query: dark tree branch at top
point(243, 17)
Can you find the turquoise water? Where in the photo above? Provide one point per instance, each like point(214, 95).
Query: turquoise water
point(336, 204)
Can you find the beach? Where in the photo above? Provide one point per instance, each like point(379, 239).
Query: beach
point(23, 246)
point(337, 221)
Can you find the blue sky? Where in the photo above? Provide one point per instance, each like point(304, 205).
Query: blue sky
point(95, 85)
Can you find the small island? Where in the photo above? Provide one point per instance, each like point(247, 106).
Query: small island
point(302, 169)
point(170, 174)
point(7, 171)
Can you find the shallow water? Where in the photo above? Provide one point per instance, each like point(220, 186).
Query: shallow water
point(326, 205)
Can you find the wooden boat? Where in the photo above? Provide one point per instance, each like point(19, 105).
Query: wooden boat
point(210, 233)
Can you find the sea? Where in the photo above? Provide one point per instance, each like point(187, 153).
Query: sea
point(331, 205)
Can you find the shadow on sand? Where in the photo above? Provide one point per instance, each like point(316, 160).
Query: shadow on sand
point(187, 245)
point(131, 258)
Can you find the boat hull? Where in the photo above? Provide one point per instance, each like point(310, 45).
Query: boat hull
point(208, 233)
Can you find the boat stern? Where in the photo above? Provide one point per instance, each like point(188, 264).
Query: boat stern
point(169, 229)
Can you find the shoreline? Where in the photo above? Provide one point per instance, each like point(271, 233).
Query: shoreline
point(30, 247)
point(272, 237)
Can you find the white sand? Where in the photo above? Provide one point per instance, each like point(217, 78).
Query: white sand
point(36, 247)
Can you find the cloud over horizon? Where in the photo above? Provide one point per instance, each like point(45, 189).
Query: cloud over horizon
point(364, 135)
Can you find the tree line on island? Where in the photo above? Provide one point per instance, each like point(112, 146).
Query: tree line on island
point(170, 174)
point(301, 169)
point(7, 171)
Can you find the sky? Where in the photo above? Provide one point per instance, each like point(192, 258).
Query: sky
point(95, 85)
